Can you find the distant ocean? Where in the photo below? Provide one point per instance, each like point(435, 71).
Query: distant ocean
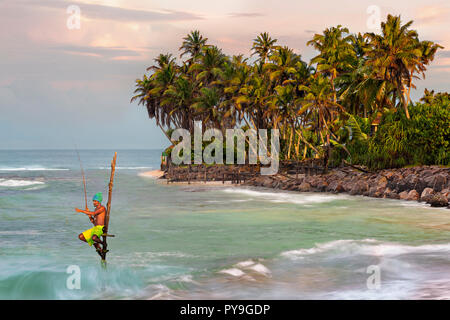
point(206, 242)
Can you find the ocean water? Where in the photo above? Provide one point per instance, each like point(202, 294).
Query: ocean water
point(205, 242)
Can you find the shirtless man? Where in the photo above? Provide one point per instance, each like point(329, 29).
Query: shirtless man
point(92, 236)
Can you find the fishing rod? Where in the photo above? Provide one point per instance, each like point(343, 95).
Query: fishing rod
point(84, 178)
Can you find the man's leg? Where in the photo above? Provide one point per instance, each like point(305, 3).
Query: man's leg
point(97, 242)
point(81, 237)
point(96, 239)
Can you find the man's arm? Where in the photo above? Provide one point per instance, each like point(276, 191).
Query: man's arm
point(90, 213)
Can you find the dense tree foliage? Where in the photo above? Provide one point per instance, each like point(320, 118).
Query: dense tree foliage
point(322, 108)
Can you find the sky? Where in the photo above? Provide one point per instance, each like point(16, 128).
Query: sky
point(61, 85)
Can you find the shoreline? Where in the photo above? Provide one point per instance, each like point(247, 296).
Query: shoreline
point(429, 184)
point(152, 174)
point(426, 184)
point(159, 176)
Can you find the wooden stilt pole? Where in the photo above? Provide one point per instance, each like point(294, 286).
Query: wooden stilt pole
point(108, 210)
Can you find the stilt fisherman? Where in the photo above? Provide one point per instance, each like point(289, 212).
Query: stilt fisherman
point(92, 235)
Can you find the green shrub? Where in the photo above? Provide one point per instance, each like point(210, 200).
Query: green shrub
point(422, 140)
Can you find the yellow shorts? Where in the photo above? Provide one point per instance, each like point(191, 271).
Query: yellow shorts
point(89, 233)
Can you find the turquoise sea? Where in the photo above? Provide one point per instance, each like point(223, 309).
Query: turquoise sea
point(208, 242)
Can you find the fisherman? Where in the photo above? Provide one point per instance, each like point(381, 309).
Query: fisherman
point(92, 236)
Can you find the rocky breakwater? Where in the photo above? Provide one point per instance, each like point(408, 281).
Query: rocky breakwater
point(430, 184)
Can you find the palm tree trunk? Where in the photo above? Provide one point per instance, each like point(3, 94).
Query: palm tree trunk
point(290, 144)
point(404, 101)
point(165, 133)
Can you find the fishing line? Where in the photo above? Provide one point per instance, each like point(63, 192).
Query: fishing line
point(84, 178)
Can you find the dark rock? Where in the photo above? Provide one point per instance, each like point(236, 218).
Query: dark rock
point(382, 182)
point(426, 195)
point(322, 185)
point(438, 200)
point(439, 182)
point(360, 187)
point(394, 195)
point(403, 195)
point(304, 187)
point(446, 193)
point(413, 195)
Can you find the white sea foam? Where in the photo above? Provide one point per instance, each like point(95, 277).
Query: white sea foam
point(235, 272)
point(260, 268)
point(32, 168)
point(369, 247)
point(245, 264)
point(248, 265)
point(286, 197)
point(19, 183)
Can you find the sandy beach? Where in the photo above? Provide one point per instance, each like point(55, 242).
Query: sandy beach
point(152, 174)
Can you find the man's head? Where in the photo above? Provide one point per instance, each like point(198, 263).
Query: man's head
point(97, 199)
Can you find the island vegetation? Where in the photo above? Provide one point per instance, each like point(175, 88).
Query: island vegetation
point(352, 102)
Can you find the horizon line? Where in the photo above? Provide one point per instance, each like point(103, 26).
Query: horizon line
point(68, 149)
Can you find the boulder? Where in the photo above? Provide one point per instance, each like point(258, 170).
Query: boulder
point(438, 200)
point(267, 183)
point(372, 191)
point(439, 182)
point(382, 182)
point(360, 187)
point(446, 193)
point(322, 185)
point(411, 181)
point(332, 186)
point(393, 195)
point(389, 175)
point(339, 188)
point(413, 195)
point(426, 195)
point(403, 195)
point(304, 187)
point(376, 192)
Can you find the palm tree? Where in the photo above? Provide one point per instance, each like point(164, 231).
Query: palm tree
point(209, 65)
point(397, 54)
point(161, 61)
point(262, 46)
point(428, 50)
point(282, 65)
point(180, 95)
point(205, 106)
point(318, 100)
point(193, 44)
point(336, 53)
point(143, 87)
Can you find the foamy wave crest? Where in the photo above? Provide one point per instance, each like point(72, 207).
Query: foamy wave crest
point(19, 183)
point(251, 267)
point(368, 247)
point(297, 198)
point(32, 168)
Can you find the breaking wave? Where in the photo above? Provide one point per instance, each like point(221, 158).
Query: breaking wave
point(12, 183)
point(286, 197)
point(32, 168)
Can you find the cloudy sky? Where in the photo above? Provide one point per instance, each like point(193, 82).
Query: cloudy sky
point(62, 86)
